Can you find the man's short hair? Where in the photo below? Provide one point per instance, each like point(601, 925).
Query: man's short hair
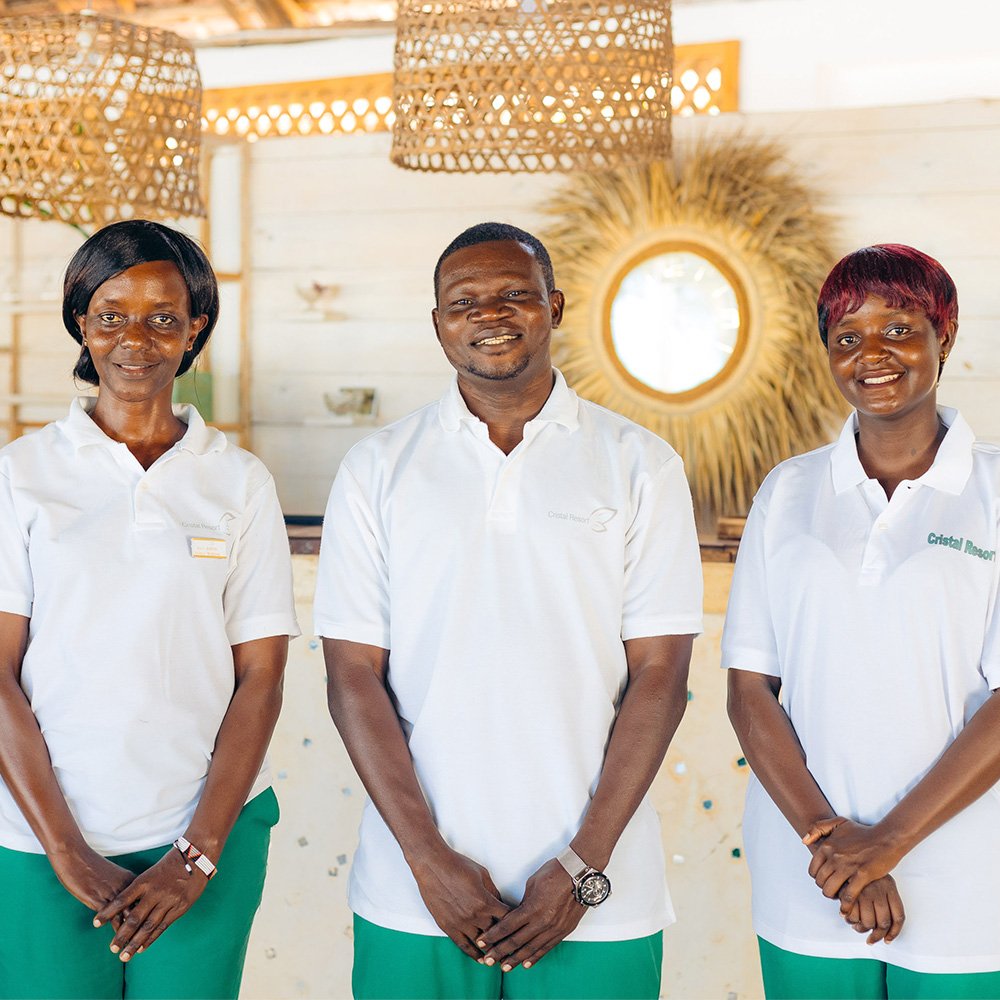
point(496, 232)
point(904, 277)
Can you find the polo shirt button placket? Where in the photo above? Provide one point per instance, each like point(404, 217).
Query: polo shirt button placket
point(144, 511)
point(502, 512)
point(874, 561)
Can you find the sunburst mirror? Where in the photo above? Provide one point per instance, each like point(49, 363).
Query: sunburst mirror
point(691, 301)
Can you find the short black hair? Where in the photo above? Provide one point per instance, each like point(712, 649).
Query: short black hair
point(496, 232)
point(122, 245)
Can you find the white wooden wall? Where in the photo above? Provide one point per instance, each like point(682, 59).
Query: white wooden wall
point(335, 210)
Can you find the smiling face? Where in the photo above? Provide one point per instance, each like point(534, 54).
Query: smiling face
point(885, 360)
point(137, 328)
point(495, 315)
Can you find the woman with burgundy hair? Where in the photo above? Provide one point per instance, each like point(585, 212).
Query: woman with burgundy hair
point(863, 647)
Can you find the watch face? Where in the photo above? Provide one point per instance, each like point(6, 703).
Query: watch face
point(594, 888)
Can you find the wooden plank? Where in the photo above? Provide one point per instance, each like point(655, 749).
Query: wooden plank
point(790, 126)
point(978, 402)
point(242, 14)
point(294, 398)
point(246, 270)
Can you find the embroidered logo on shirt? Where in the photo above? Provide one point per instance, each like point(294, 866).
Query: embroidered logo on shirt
point(962, 545)
point(221, 526)
point(596, 520)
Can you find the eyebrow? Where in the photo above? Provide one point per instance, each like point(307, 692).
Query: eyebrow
point(892, 313)
point(499, 275)
point(164, 304)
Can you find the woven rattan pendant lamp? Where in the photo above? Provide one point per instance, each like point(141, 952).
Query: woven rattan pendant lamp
point(531, 85)
point(100, 120)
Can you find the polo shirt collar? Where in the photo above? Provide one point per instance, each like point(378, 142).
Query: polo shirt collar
point(949, 473)
point(562, 407)
point(199, 438)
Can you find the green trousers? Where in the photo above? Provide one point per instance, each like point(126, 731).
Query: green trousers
point(49, 947)
point(392, 965)
point(789, 976)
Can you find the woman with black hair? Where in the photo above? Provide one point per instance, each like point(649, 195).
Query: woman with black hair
point(145, 611)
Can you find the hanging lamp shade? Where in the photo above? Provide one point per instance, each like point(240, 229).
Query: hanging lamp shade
point(100, 120)
point(501, 85)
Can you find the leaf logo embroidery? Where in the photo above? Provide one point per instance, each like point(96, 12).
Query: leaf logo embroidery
point(600, 517)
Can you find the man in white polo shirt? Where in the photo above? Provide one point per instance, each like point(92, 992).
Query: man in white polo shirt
point(509, 588)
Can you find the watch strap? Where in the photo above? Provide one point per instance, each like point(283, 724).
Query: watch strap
point(573, 864)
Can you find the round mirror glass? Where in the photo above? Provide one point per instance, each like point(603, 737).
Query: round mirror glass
point(675, 321)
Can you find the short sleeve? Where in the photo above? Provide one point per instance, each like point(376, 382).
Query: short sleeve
point(748, 641)
point(352, 587)
point(258, 599)
point(663, 582)
point(17, 592)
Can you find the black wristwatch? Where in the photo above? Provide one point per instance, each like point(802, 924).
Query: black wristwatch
point(590, 887)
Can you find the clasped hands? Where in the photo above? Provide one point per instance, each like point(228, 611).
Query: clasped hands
point(466, 905)
point(852, 861)
point(139, 907)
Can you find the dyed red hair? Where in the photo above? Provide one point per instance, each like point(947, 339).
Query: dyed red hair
point(904, 277)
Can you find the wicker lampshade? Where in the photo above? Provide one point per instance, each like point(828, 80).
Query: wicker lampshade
point(99, 120)
point(502, 85)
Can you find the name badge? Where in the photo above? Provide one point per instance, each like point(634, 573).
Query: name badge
point(208, 548)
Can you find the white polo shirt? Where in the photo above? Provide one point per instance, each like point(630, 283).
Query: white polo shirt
point(881, 620)
point(137, 583)
point(503, 585)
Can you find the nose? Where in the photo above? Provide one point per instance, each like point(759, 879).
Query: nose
point(487, 309)
point(873, 348)
point(133, 335)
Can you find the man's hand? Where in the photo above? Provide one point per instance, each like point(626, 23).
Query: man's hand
point(548, 912)
point(848, 857)
point(462, 898)
point(879, 909)
point(150, 904)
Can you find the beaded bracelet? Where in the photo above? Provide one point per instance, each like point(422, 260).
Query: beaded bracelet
point(192, 855)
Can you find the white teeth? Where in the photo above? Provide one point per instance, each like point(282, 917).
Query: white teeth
point(879, 380)
point(497, 340)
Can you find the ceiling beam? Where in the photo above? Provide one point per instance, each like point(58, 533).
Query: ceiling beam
point(282, 13)
point(242, 14)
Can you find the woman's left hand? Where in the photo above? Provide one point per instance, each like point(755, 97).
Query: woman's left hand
point(151, 903)
point(848, 856)
point(879, 910)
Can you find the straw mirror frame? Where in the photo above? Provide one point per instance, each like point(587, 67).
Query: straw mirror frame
point(737, 203)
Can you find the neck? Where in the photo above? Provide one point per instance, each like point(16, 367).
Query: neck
point(895, 450)
point(505, 406)
point(148, 428)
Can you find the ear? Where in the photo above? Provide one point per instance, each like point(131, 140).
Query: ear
point(948, 336)
point(197, 325)
point(557, 302)
point(81, 322)
point(434, 320)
